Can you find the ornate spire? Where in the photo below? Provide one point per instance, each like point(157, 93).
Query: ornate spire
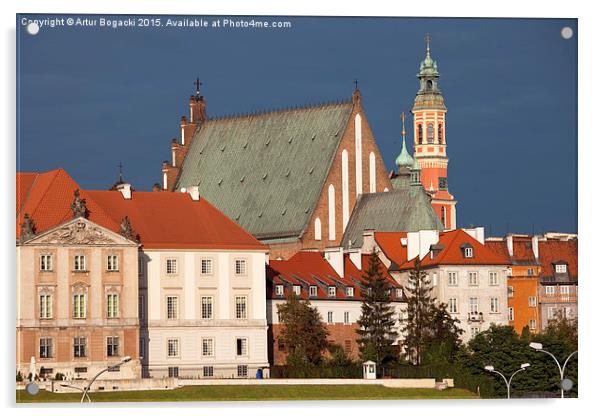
point(78, 206)
point(404, 159)
point(28, 228)
point(427, 39)
point(126, 229)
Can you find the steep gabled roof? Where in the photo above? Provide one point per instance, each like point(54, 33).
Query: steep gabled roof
point(390, 244)
point(397, 210)
point(266, 171)
point(451, 254)
point(554, 251)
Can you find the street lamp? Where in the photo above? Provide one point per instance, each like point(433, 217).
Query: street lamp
point(87, 388)
point(76, 388)
point(537, 346)
point(491, 369)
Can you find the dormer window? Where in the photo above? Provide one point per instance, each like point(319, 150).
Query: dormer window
point(313, 291)
point(332, 292)
point(279, 290)
point(349, 291)
point(561, 268)
point(399, 293)
point(468, 252)
point(297, 290)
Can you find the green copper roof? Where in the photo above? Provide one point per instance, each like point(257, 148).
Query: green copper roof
point(266, 171)
point(404, 158)
point(406, 209)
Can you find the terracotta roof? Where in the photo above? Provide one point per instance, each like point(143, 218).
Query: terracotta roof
point(390, 244)
point(553, 251)
point(167, 220)
point(499, 247)
point(311, 269)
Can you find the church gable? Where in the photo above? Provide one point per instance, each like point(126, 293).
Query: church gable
point(266, 171)
point(80, 232)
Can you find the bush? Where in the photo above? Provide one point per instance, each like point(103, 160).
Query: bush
point(59, 376)
point(19, 376)
point(321, 371)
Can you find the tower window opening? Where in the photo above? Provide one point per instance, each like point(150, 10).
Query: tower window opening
point(429, 85)
point(430, 133)
point(440, 133)
point(443, 216)
point(420, 133)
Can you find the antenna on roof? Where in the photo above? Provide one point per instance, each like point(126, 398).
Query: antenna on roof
point(120, 166)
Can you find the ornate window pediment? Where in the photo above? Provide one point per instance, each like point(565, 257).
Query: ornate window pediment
point(80, 232)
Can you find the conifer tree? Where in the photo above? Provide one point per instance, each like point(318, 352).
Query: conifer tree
point(376, 323)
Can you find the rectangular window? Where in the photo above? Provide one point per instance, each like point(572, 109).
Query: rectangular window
point(79, 264)
point(550, 290)
point(173, 372)
point(452, 278)
point(511, 314)
point(241, 347)
point(493, 280)
point(349, 290)
point(532, 324)
point(171, 267)
point(79, 306)
point(473, 278)
point(468, 252)
point(242, 371)
point(206, 266)
point(112, 346)
point(332, 291)
point(279, 290)
point(241, 307)
point(329, 317)
point(566, 312)
point(173, 347)
point(551, 312)
point(206, 307)
point(532, 301)
point(530, 272)
point(313, 291)
point(452, 306)
point(79, 347)
point(207, 347)
point(297, 290)
point(346, 317)
point(399, 293)
point(494, 306)
point(208, 371)
point(45, 306)
point(474, 305)
point(474, 331)
point(46, 263)
point(434, 279)
point(564, 290)
point(45, 347)
point(112, 305)
point(240, 267)
point(172, 307)
point(561, 268)
point(112, 263)
point(510, 291)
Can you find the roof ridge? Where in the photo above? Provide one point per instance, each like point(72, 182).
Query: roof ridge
point(289, 108)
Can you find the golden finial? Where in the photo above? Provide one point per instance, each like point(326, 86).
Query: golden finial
point(403, 125)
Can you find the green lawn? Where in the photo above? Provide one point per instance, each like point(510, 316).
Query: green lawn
point(272, 392)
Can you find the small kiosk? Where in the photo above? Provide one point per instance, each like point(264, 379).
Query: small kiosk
point(369, 370)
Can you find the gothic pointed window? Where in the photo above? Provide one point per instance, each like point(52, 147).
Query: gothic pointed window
point(430, 133)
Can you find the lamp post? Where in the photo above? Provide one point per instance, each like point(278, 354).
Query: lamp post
point(537, 346)
point(76, 388)
point(491, 369)
point(87, 388)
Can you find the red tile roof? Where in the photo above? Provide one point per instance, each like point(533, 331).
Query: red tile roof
point(311, 269)
point(390, 244)
point(162, 219)
point(498, 247)
point(553, 251)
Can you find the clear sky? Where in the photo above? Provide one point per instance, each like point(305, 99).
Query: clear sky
point(89, 98)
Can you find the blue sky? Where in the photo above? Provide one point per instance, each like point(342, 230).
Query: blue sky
point(89, 98)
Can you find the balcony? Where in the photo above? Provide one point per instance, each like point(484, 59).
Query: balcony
point(475, 317)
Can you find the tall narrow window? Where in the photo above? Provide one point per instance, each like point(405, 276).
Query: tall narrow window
point(45, 306)
point(317, 229)
point(112, 263)
point(172, 307)
point(79, 263)
point(430, 133)
point(440, 133)
point(171, 267)
point(45, 347)
point(345, 186)
point(358, 154)
point(206, 266)
point(242, 347)
point(452, 279)
point(331, 214)
point(443, 217)
point(511, 314)
point(473, 278)
point(79, 347)
point(494, 305)
point(112, 305)
point(474, 305)
point(419, 135)
point(329, 318)
point(207, 347)
point(493, 279)
point(346, 317)
point(112, 346)
point(452, 305)
point(241, 307)
point(372, 171)
point(173, 347)
point(241, 267)
point(79, 306)
point(206, 307)
point(46, 263)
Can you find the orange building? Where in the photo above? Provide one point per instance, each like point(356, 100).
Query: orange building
point(523, 281)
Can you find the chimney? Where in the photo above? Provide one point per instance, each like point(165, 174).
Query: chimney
point(334, 256)
point(355, 255)
point(193, 191)
point(535, 246)
point(368, 241)
point(419, 242)
point(125, 189)
point(510, 245)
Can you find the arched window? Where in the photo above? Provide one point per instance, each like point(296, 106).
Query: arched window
point(358, 154)
point(430, 131)
point(443, 216)
point(420, 133)
point(345, 186)
point(372, 163)
point(429, 85)
point(440, 133)
point(318, 229)
point(331, 214)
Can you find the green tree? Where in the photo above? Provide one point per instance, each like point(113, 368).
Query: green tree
point(416, 325)
point(304, 335)
point(376, 323)
point(442, 342)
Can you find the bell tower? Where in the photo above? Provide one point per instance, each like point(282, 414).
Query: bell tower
point(430, 140)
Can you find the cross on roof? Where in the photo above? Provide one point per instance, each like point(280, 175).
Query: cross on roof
point(355, 82)
point(198, 84)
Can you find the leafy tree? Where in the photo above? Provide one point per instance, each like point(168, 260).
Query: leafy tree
point(304, 335)
point(338, 356)
point(376, 323)
point(417, 324)
point(564, 328)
